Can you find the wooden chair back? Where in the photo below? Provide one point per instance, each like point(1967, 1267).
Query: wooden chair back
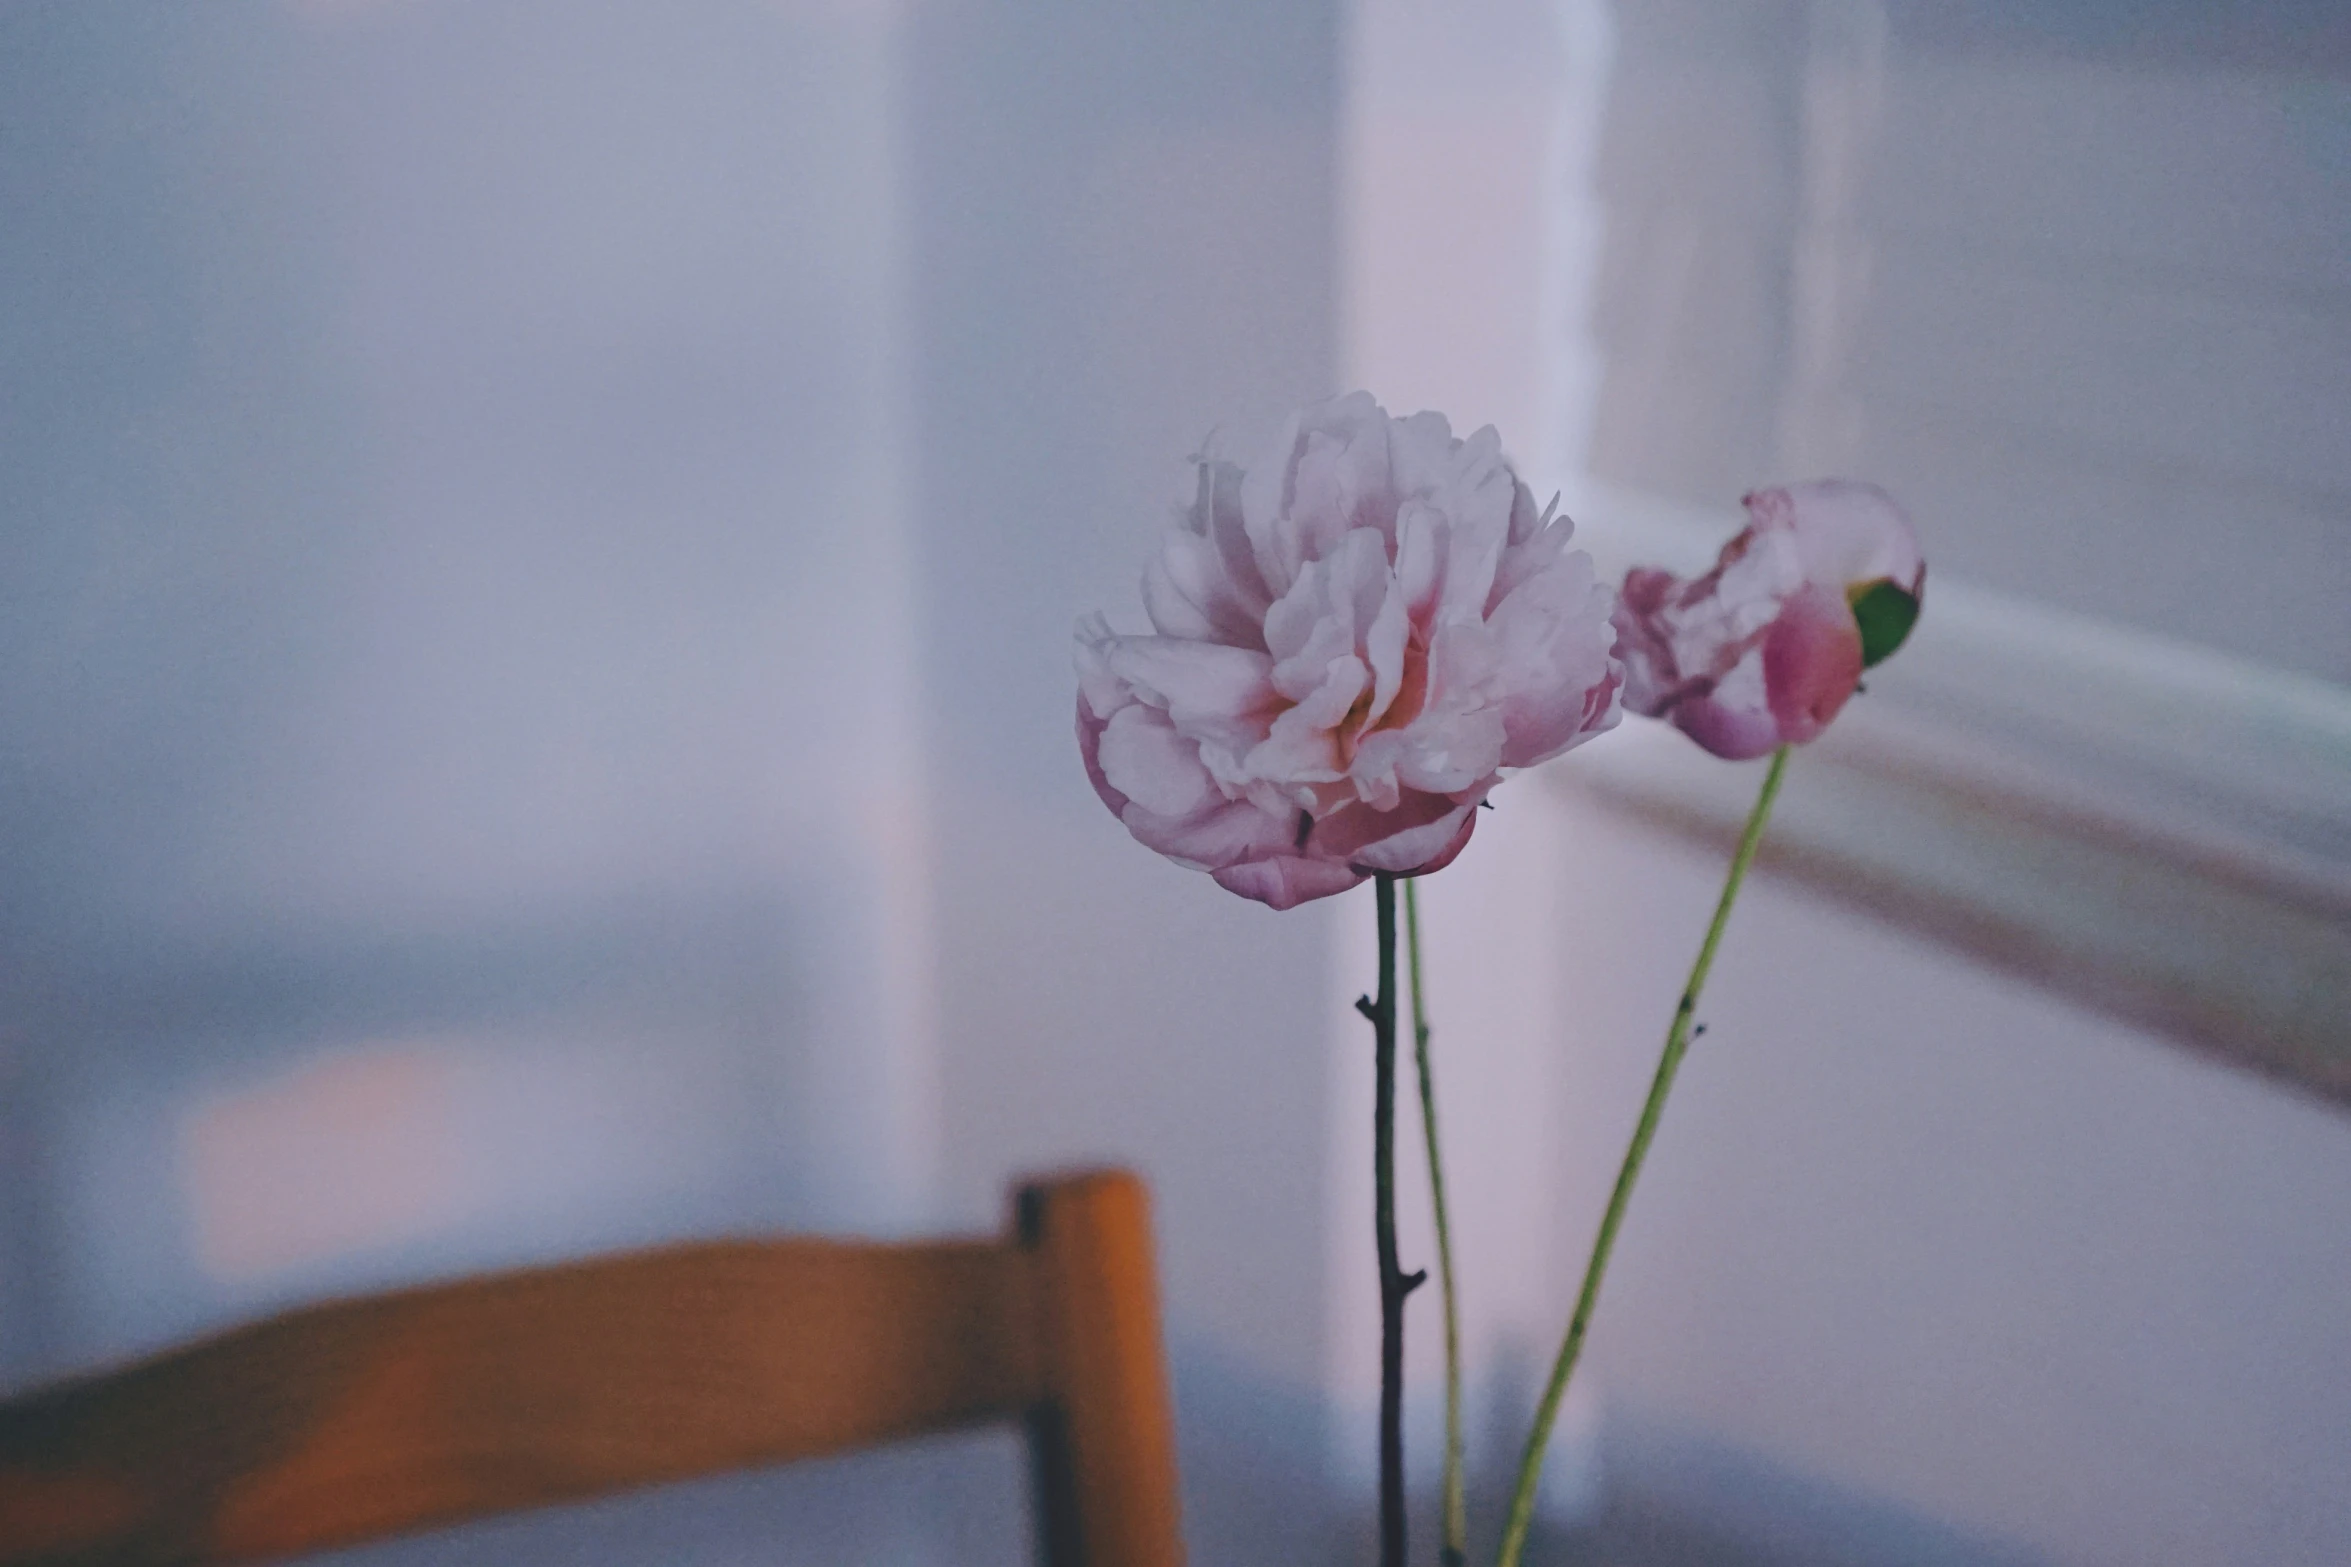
point(365, 1418)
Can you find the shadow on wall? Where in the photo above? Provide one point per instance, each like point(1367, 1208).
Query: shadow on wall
point(944, 1502)
point(309, 1118)
point(1691, 1500)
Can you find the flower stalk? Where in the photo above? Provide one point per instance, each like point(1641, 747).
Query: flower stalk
point(1677, 1044)
point(1395, 1284)
point(1454, 1550)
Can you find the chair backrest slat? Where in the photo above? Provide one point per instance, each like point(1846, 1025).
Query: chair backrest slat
point(360, 1419)
point(1104, 1448)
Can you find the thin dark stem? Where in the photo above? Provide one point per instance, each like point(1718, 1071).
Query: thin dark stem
point(1455, 1547)
point(1677, 1043)
point(1393, 1285)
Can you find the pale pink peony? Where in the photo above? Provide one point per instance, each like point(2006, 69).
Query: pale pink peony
point(1763, 650)
point(1355, 639)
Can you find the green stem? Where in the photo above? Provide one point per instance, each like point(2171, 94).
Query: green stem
point(1455, 1549)
point(1394, 1286)
point(1677, 1043)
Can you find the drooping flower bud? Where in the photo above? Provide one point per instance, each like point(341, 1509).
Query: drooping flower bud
point(1764, 650)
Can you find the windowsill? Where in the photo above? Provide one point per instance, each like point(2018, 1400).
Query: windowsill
point(2149, 828)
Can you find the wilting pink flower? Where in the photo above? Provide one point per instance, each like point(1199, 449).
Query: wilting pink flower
point(1763, 650)
point(1354, 640)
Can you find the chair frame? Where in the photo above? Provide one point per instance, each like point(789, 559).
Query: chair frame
point(361, 1419)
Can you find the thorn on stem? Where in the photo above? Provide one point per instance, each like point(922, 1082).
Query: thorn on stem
point(1406, 1283)
point(1368, 1007)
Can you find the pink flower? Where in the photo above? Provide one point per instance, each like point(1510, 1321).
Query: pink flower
point(1764, 649)
point(1354, 640)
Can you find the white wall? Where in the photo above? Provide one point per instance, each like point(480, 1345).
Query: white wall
point(541, 548)
point(539, 554)
point(1926, 1266)
point(458, 682)
point(1125, 224)
point(458, 611)
point(1919, 1234)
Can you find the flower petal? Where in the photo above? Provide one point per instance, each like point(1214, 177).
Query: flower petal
point(1846, 532)
point(1811, 662)
point(1332, 476)
point(1187, 594)
point(1286, 881)
point(1216, 516)
point(1558, 674)
point(1099, 690)
point(1090, 748)
point(1143, 758)
point(1733, 717)
point(1652, 675)
point(1384, 640)
point(1226, 833)
point(1195, 682)
point(1402, 841)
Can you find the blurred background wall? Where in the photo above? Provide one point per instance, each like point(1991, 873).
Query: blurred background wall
point(461, 759)
point(1929, 1264)
point(537, 545)
point(541, 544)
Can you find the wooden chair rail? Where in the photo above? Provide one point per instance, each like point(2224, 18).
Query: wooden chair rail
point(360, 1419)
